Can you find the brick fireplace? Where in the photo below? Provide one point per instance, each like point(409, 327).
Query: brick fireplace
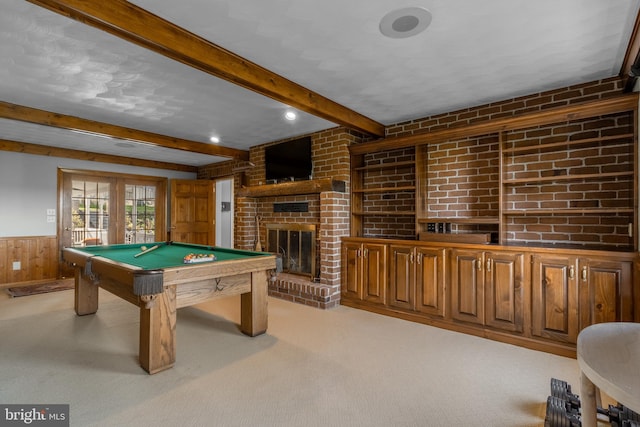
point(325, 222)
point(327, 199)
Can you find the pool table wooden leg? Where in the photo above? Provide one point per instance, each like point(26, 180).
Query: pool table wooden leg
point(85, 295)
point(158, 332)
point(253, 306)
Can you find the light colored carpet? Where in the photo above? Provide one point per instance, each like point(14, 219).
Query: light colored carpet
point(341, 367)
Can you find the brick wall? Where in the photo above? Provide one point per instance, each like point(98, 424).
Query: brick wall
point(595, 160)
point(401, 201)
point(463, 176)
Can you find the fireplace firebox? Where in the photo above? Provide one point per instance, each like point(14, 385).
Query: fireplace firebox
point(296, 244)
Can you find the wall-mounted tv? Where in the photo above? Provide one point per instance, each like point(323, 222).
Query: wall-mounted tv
point(289, 160)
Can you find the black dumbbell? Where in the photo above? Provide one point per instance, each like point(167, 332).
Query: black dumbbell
point(562, 390)
point(619, 415)
point(561, 413)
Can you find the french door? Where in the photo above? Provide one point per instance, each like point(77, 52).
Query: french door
point(99, 208)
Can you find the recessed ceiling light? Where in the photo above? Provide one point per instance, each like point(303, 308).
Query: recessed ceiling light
point(405, 22)
point(290, 115)
point(214, 139)
point(124, 144)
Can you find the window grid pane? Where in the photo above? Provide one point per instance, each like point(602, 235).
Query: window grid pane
point(140, 212)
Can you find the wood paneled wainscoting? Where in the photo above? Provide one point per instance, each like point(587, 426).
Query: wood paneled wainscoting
point(37, 257)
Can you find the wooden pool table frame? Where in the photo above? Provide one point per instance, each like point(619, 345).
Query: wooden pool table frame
point(183, 286)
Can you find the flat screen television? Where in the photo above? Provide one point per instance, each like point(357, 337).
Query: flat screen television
point(289, 160)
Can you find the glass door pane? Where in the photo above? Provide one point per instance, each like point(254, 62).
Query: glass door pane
point(90, 212)
point(140, 213)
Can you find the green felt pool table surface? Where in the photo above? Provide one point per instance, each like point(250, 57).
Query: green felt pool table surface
point(167, 255)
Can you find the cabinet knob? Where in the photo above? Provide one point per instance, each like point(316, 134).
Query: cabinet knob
point(584, 273)
point(572, 272)
point(488, 264)
point(479, 264)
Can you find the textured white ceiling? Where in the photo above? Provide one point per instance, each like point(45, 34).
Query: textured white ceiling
point(474, 52)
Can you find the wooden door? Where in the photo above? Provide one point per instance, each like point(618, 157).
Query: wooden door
point(554, 305)
point(374, 284)
point(606, 291)
point(430, 281)
point(504, 290)
point(402, 277)
point(467, 286)
point(351, 271)
point(193, 211)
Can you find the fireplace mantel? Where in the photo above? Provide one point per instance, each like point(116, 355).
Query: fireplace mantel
point(311, 186)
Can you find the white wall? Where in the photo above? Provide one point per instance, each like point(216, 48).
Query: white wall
point(28, 187)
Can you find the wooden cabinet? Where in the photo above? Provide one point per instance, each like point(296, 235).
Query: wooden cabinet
point(504, 290)
point(417, 279)
point(539, 298)
point(605, 291)
point(487, 288)
point(467, 286)
point(571, 292)
point(364, 272)
point(554, 291)
point(430, 281)
point(402, 284)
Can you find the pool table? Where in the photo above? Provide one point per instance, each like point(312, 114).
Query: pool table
point(159, 282)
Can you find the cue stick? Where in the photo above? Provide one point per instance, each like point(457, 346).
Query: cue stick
point(153, 248)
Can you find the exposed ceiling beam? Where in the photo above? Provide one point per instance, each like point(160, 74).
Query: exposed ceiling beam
point(631, 64)
point(139, 26)
point(43, 150)
point(47, 118)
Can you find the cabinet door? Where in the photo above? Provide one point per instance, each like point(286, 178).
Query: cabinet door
point(467, 286)
point(554, 305)
point(351, 286)
point(504, 300)
point(605, 291)
point(429, 281)
point(374, 261)
point(402, 286)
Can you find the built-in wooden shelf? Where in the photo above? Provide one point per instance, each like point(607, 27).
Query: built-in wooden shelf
point(385, 189)
point(568, 177)
point(459, 220)
point(391, 165)
point(373, 213)
point(311, 186)
point(599, 211)
point(555, 145)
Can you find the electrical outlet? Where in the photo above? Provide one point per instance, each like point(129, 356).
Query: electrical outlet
point(51, 218)
point(51, 212)
point(16, 265)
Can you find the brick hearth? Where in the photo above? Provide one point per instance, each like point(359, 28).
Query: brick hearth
point(297, 289)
